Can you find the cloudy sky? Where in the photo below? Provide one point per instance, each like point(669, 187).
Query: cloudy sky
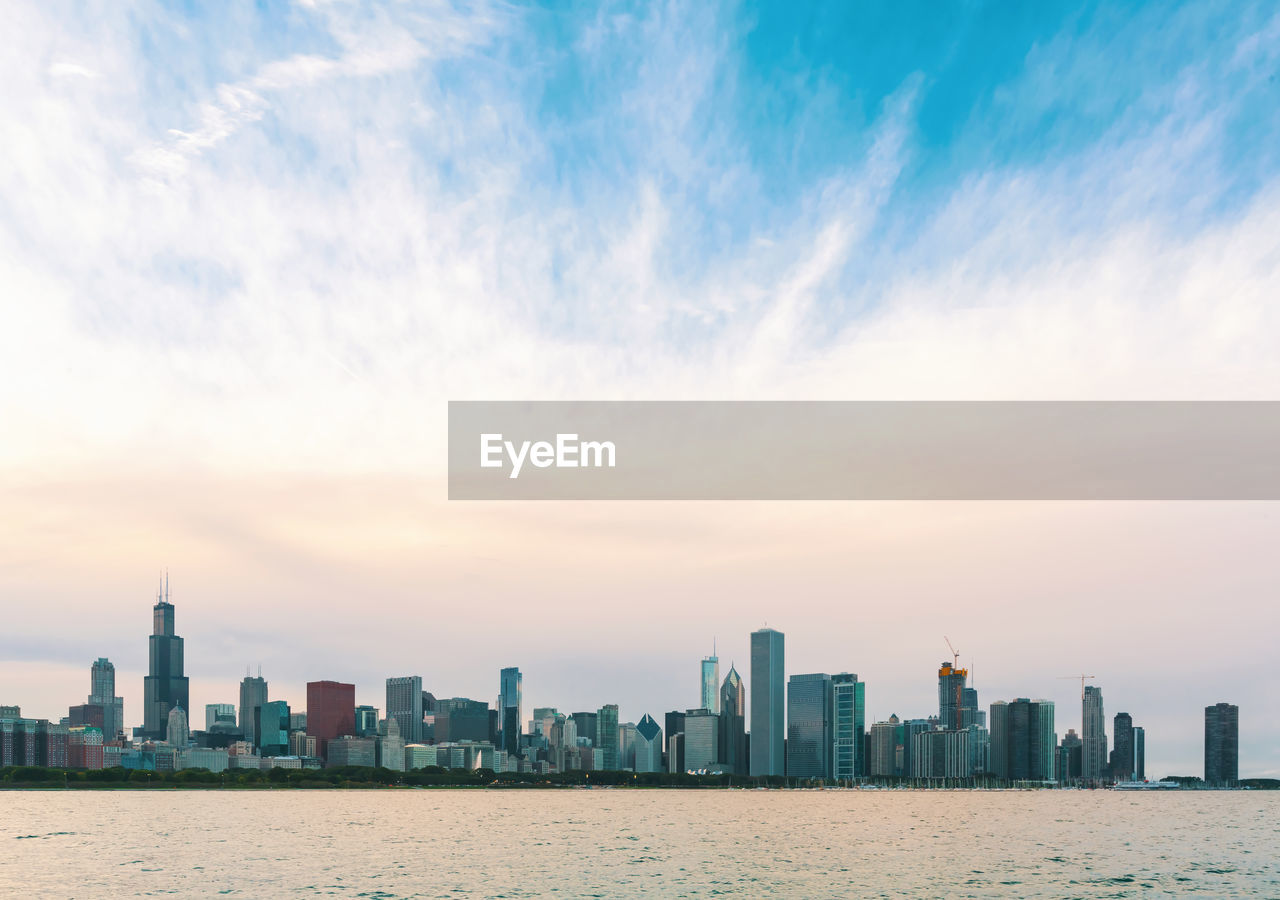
point(248, 255)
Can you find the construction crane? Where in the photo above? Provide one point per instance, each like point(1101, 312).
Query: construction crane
point(955, 656)
point(1082, 681)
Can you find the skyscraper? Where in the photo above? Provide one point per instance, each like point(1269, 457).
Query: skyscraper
point(768, 729)
point(176, 731)
point(848, 727)
point(1222, 745)
point(1093, 751)
point(1023, 742)
point(331, 712)
point(648, 745)
point(404, 704)
point(1070, 756)
point(733, 723)
point(253, 693)
point(509, 692)
point(607, 736)
point(102, 692)
point(809, 720)
point(711, 683)
point(164, 687)
point(951, 685)
point(1139, 753)
point(701, 739)
point(220, 714)
point(1122, 755)
point(271, 726)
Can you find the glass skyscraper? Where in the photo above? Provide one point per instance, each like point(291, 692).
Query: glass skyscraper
point(848, 727)
point(607, 734)
point(809, 720)
point(768, 728)
point(710, 699)
point(1023, 741)
point(164, 688)
point(1222, 744)
point(404, 704)
point(253, 693)
point(509, 690)
point(733, 723)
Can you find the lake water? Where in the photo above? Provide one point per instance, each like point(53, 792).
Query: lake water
point(620, 843)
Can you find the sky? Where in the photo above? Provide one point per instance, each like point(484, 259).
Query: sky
point(248, 252)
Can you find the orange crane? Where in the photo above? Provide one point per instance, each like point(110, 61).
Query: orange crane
point(1082, 681)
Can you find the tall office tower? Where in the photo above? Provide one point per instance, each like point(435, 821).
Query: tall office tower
point(910, 728)
point(1222, 744)
point(366, 721)
point(176, 731)
point(648, 745)
point(509, 709)
point(585, 722)
point(1093, 758)
point(848, 726)
point(1070, 754)
point(331, 712)
point(391, 746)
point(942, 754)
point(768, 728)
point(1023, 742)
point(271, 725)
point(627, 746)
point(461, 719)
point(1139, 753)
point(253, 693)
point(102, 692)
point(884, 749)
point(957, 704)
point(733, 724)
point(607, 736)
point(675, 748)
point(164, 687)
point(711, 683)
point(404, 704)
point(701, 740)
point(1122, 758)
point(809, 716)
point(219, 714)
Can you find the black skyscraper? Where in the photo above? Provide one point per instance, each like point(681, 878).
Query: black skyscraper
point(1123, 761)
point(1222, 744)
point(165, 687)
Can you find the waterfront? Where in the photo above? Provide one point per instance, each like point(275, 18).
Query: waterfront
point(659, 843)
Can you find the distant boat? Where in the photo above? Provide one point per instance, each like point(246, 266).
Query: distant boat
point(1146, 786)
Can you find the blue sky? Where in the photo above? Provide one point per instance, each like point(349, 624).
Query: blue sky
point(250, 250)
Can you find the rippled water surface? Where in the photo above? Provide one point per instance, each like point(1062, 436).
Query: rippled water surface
point(610, 843)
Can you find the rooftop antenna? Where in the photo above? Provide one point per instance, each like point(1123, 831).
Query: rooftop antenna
point(166, 584)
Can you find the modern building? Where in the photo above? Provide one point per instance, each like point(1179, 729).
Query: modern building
point(1070, 757)
point(809, 721)
point(220, 715)
point(165, 686)
point(404, 704)
point(768, 710)
point(391, 746)
point(1123, 762)
point(102, 692)
point(848, 727)
point(509, 699)
point(701, 740)
point(648, 745)
point(349, 750)
point(941, 754)
point(885, 751)
point(177, 731)
point(1139, 753)
point(585, 725)
point(1023, 741)
point(366, 720)
point(1222, 745)
point(710, 695)
point(674, 722)
point(951, 688)
point(253, 693)
point(331, 712)
point(607, 732)
point(461, 719)
point(733, 724)
point(1093, 760)
point(271, 726)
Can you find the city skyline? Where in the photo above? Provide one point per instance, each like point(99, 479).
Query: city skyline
point(813, 746)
